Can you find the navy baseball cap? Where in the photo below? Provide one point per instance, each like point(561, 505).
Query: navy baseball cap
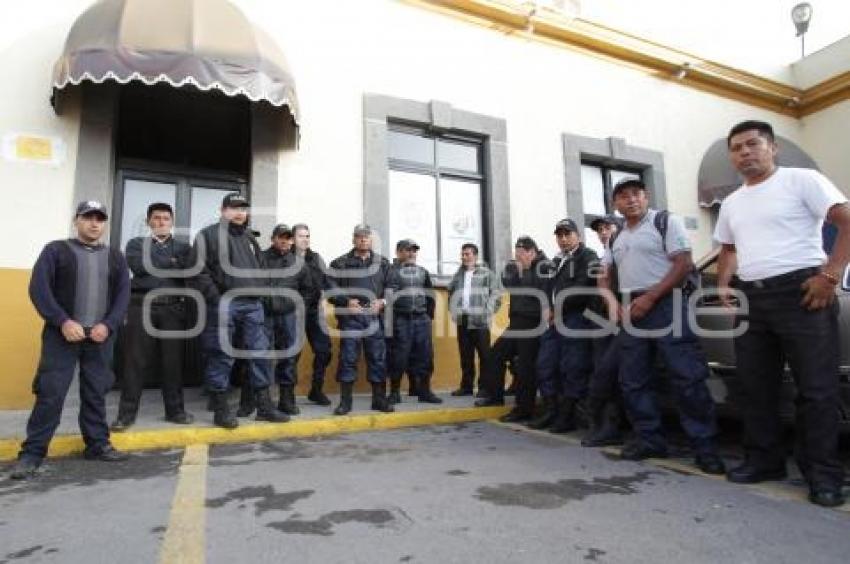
point(281, 229)
point(87, 207)
point(362, 229)
point(526, 242)
point(566, 225)
point(235, 200)
point(406, 244)
point(628, 183)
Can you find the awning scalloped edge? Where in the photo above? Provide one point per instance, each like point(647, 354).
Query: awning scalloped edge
point(189, 80)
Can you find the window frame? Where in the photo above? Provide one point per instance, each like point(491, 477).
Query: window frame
point(437, 118)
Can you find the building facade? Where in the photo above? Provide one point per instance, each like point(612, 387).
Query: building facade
point(444, 121)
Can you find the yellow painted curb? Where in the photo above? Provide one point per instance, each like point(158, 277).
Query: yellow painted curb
point(65, 445)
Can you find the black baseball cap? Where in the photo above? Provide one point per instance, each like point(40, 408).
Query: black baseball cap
point(566, 225)
point(628, 183)
point(362, 229)
point(281, 229)
point(87, 207)
point(235, 200)
point(606, 219)
point(406, 244)
point(526, 242)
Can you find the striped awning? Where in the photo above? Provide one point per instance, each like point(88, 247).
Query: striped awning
point(208, 44)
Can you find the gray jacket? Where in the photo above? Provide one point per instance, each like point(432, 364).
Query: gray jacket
point(484, 299)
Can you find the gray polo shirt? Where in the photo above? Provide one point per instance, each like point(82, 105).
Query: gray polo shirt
point(639, 252)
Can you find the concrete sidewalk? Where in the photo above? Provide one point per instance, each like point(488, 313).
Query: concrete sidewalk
point(152, 431)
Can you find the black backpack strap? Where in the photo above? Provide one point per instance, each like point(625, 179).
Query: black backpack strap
point(661, 222)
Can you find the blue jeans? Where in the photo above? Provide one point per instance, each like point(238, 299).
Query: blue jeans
point(687, 370)
point(413, 350)
point(55, 373)
point(282, 329)
point(564, 362)
point(246, 315)
point(373, 346)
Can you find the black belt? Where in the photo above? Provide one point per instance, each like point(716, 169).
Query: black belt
point(408, 314)
point(779, 281)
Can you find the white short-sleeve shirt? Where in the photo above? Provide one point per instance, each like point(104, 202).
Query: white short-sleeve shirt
point(776, 225)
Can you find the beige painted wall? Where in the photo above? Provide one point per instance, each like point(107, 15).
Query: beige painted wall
point(825, 137)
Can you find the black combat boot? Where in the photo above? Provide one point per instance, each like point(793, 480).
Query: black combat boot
point(605, 425)
point(344, 407)
point(412, 386)
point(246, 401)
point(565, 421)
point(547, 414)
point(379, 398)
point(316, 395)
point(265, 408)
point(395, 391)
point(426, 395)
point(222, 415)
point(286, 402)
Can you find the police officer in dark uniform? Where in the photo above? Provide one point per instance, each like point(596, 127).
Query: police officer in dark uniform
point(315, 325)
point(80, 288)
point(411, 297)
point(287, 272)
point(525, 281)
point(564, 361)
point(146, 354)
point(231, 258)
point(359, 278)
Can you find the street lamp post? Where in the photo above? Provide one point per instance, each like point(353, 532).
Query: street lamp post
point(801, 15)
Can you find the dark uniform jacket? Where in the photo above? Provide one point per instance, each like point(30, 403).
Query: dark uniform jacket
point(575, 272)
point(319, 280)
point(410, 291)
point(535, 277)
point(53, 285)
point(350, 272)
point(299, 280)
point(243, 252)
point(171, 255)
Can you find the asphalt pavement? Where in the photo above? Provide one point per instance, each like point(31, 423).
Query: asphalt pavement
point(468, 492)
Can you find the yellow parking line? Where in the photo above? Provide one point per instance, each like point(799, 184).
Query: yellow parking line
point(184, 541)
point(166, 438)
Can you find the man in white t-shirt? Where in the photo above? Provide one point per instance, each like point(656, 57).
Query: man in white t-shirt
point(770, 232)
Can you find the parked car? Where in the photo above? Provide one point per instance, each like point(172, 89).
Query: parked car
point(720, 352)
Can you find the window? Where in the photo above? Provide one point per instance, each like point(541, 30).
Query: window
point(435, 194)
point(597, 187)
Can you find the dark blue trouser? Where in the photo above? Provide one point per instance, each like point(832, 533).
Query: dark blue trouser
point(55, 373)
point(413, 350)
point(246, 315)
point(687, 370)
point(779, 330)
point(282, 328)
point(564, 362)
point(362, 329)
point(317, 335)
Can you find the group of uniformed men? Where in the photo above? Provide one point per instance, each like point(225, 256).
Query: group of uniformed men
point(265, 301)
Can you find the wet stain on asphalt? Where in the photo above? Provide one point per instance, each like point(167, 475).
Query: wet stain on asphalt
point(406, 558)
point(552, 495)
point(457, 472)
point(25, 553)
point(74, 472)
point(295, 449)
point(266, 498)
point(324, 525)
